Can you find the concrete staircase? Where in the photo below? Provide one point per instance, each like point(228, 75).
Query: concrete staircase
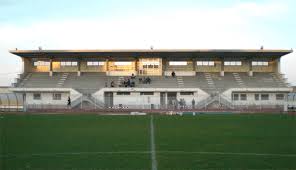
point(62, 80)
point(27, 77)
point(238, 80)
point(209, 79)
point(180, 82)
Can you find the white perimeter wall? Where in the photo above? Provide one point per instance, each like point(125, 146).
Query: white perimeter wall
point(47, 98)
point(251, 96)
point(136, 99)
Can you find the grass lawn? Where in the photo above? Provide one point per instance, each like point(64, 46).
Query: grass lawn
point(88, 142)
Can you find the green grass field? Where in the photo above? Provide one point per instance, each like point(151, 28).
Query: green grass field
point(89, 142)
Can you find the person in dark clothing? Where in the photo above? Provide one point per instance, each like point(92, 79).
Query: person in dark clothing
point(112, 84)
point(128, 83)
point(173, 74)
point(133, 76)
point(148, 80)
point(193, 103)
point(69, 102)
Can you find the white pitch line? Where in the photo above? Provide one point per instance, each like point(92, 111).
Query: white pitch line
point(152, 143)
point(228, 153)
point(148, 152)
point(75, 153)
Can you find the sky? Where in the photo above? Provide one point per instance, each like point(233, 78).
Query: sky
point(139, 24)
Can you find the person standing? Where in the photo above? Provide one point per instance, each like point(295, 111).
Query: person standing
point(69, 102)
point(193, 103)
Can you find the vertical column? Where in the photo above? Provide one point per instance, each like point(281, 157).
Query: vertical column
point(50, 68)
point(136, 66)
point(79, 68)
point(222, 68)
point(250, 68)
point(107, 67)
point(164, 67)
point(278, 64)
point(194, 64)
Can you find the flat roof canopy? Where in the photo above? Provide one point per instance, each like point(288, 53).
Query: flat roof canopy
point(162, 53)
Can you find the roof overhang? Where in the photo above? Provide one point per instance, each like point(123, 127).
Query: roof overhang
point(163, 53)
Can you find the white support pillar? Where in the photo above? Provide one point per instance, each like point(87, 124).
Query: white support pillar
point(79, 68)
point(250, 73)
point(222, 69)
point(279, 66)
point(50, 68)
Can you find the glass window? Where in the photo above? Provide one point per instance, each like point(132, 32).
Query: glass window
point(95, 63)
point(69, 63)
point(41, 63)
point(205, 63)
point(146, 93)
point(211, 63)
point(280, 96)
point(178, 63)
point(37, 96)
point(243, 96)
point(199, 63)
point(264, 96)
point(259, 63)
point(232, 63)
point(122, 63)
point(257, 97)
point(186, 93)
point(56, 96)
point(123, 93)
point(235, 97)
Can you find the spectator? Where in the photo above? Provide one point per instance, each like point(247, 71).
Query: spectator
point(128, 83)
point(106, 84)
point(148, 80)
point(69, 102)
point(112, 84)
point(193, 103)
point(140, 80)
point(173, 74)
point(133, 76)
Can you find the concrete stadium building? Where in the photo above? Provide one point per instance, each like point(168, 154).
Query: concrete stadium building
point(204, 79)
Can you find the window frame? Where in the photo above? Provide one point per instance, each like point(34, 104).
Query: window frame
point(123, 93)
point(233, 63)
point(148, 93)
point(56, 96)
point(235, 96)
point(281, 97)
point(186, 93)
point(35, 97)
point(264, 96)
point(178, 63)
point(243, 97)
point(69, 63)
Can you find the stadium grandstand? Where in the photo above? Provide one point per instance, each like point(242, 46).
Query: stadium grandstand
point(154, 79)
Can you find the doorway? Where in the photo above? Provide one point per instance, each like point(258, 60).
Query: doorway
point(108, 99)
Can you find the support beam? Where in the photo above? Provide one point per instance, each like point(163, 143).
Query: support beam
point(194, 64)
point(164, 66)
point(250, 68)
point(79, 68)
point(107, 67)
point(222, 68)
point(137, 65)
point(50, 68)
